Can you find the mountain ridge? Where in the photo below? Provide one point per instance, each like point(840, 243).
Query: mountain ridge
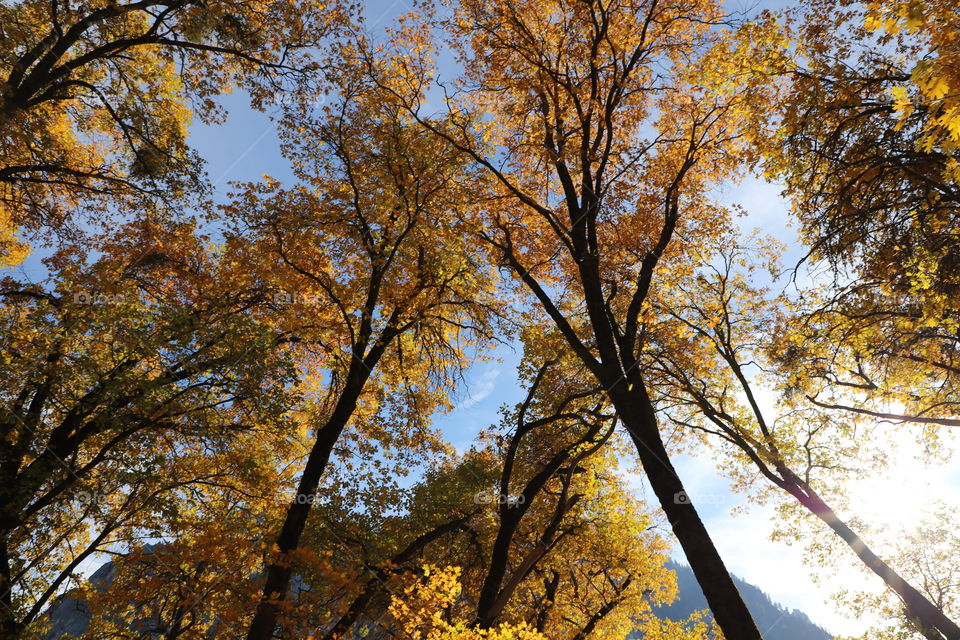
point(775, 621)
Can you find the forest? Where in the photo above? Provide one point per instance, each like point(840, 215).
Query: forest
point(232, 406)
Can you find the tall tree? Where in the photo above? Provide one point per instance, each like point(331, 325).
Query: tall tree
point(115, 371)
point(600, 127)
point(369, 250)
point(708, 350)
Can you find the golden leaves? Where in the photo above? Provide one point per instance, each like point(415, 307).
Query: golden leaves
point(98, 96)
point(933, 26)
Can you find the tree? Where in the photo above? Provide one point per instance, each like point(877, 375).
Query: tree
point(368, 249)
point(569, 553)
point(600, 128)
point(96, 95)
point(117, 373)
point(704, 374)
point(868, 153)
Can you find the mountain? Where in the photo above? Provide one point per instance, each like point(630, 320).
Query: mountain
point(70, 617)
point(775, 622)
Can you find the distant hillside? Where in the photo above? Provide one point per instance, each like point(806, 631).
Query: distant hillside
point(775, 622)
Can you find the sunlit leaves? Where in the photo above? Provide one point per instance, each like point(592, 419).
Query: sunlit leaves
point(97, 96)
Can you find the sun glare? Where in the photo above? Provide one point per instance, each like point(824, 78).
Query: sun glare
point(900, 496)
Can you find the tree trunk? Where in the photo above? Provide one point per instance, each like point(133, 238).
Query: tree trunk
point(918, 607)
point(638, 416)
point(10, 627)
point(280, 570)
point(496, 570)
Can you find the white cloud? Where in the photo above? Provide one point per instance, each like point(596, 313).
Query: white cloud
point(481, 388)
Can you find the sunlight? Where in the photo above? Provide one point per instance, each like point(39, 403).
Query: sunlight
point(898, 497)
point(887, 502)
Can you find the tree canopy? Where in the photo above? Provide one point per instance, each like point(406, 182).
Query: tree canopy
point(243, 400)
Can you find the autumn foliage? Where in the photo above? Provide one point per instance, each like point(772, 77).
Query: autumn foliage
point(240, 397)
